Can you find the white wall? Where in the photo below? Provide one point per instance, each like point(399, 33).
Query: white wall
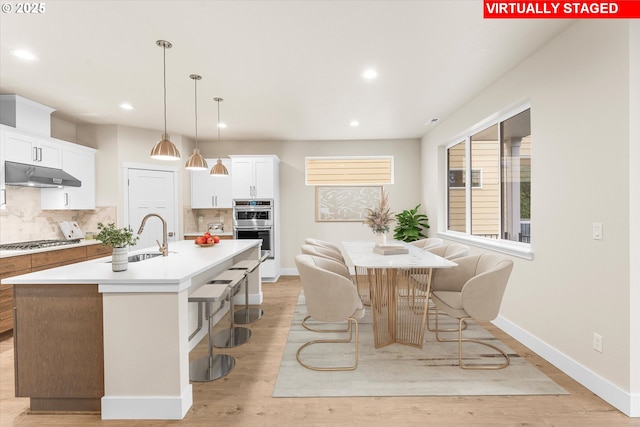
point(578, 85)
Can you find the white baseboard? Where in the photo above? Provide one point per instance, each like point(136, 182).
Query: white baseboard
point(147, 407)
point(289, 272)
point(627, 403)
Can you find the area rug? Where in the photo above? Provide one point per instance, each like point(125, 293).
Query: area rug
point(400, 370)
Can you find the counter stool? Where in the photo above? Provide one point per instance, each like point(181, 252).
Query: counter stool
point(212, 366)
point(247, 314)
point(233, 336)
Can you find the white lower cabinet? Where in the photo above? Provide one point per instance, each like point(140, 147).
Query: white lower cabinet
point(211, 191)
point(79, 162)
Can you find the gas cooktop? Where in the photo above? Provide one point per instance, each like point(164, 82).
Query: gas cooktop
point(36, 244)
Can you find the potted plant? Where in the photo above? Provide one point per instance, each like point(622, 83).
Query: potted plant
point(119, 239)
point(378, 219)
point(410, 225)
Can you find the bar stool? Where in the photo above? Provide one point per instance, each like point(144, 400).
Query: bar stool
point(247, 314)
point(212, 366)
point(233, 336)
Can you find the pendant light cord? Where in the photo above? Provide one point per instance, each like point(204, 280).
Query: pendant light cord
point(164, 77)
point(195, 89)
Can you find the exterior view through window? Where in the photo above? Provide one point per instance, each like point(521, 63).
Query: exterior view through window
point(489, 181)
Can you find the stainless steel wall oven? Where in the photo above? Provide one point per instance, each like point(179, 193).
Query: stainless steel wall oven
point(253, 219)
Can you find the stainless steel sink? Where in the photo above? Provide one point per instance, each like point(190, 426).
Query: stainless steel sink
point(142, 257)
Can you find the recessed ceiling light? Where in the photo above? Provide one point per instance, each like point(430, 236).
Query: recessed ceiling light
point(24, 54)
point(370, 74)
point(432, 121)
point(222, 125)
point(127, 106)
point(354, 123)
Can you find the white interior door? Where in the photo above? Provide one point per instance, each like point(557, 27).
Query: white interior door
point(151, 191)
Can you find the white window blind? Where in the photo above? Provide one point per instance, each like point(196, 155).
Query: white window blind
point(369, 170)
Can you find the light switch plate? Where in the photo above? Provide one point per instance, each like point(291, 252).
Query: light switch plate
point(597, 231)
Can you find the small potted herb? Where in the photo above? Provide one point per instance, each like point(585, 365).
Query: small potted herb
point(119, 239)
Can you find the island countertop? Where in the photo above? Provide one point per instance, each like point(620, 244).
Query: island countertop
point(172, 273)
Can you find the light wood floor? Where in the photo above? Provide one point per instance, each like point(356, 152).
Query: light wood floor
point(244, 397)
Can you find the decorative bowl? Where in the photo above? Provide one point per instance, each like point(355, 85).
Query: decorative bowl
point(204, 245)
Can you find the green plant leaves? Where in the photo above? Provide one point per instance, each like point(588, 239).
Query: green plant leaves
point(410, 225)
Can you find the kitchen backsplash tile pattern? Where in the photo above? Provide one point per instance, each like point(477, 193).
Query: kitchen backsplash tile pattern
point(192, 223)
point(23, 220)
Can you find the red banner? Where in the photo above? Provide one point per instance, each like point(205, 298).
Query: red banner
point(628, 9)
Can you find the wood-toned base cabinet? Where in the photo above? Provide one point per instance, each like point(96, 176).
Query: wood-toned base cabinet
point(22, 264)
point(59, 356)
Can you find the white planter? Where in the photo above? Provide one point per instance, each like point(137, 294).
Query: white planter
point(380, 239)
point(120, 259)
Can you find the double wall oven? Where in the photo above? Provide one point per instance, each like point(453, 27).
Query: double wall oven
point(253, 219)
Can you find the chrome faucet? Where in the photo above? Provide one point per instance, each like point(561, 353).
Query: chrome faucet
point(164, 246)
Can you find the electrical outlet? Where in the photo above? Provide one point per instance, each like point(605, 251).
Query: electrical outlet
point(597, 342)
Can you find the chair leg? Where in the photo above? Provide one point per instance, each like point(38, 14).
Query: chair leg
point(460, 340)
point(429, 307)
point(309, 328)
point(352, 328)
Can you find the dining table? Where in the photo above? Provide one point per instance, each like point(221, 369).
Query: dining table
point(398, 287)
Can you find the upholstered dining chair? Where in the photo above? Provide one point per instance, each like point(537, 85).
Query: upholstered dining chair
point(333, 265)
point(428, 243)
point(471, 291)
point(330, 297)
point(322, 243)
point(322, 252)
point(451, 251)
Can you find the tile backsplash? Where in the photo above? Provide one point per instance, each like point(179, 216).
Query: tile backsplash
point(23, 220)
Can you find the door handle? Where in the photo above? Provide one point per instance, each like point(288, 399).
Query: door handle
point(35, 154)
point(66, 199)
point(170, 234)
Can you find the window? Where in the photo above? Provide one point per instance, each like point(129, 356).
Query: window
point(489, 180)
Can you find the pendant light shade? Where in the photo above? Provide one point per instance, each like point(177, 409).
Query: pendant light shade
point(219, 168)
point(196, 161)
point(165, 149)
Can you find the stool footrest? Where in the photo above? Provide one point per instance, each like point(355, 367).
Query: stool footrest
point(246, 264)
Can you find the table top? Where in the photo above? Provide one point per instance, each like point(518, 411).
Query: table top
point(360, 254)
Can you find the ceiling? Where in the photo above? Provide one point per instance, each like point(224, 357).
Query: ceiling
point(287, 70)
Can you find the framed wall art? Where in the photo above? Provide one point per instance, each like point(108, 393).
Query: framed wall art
point(342, 204)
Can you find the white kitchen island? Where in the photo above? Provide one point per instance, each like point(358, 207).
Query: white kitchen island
point(145, 325)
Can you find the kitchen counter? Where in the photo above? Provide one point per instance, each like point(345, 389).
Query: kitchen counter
point(12, 253)
point(145, 326)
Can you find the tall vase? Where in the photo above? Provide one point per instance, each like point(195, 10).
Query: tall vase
point(380, 239)
point(120, 259)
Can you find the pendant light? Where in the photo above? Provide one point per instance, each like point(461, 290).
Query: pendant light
point(219, 168)
point(196, 162)
point(165, 149)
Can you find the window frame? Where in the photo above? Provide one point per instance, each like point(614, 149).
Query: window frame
point(510, 247)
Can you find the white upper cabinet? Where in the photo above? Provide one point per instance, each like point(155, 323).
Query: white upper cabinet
point(79, 162)
point(31, 149)
point(211, 191)
point(255, 177)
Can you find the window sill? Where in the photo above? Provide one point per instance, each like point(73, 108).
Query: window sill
point(517, 249)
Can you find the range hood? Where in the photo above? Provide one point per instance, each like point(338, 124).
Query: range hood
point(37, 176)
